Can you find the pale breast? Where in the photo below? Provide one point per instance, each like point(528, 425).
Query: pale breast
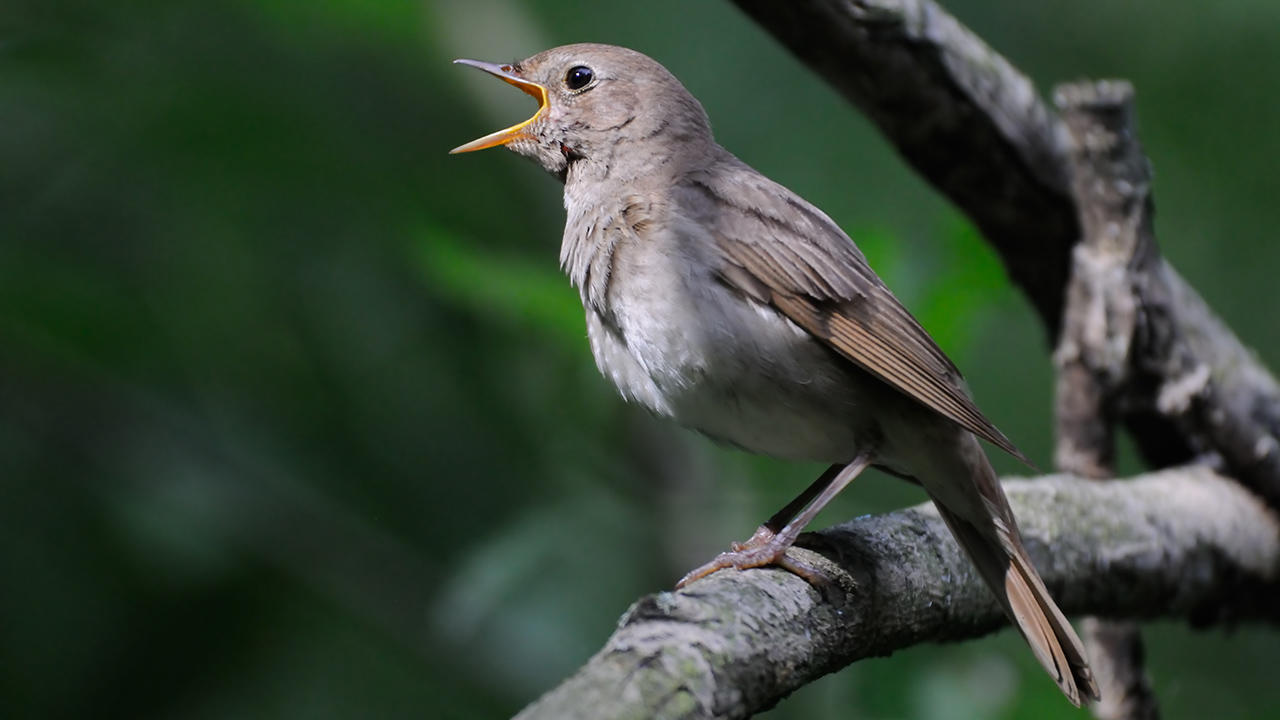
point(673, 338)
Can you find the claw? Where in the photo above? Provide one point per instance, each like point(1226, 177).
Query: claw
point(763, 548)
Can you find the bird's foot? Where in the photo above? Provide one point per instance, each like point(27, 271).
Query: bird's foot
point(765, 547)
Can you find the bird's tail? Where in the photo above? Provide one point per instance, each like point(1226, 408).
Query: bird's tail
point(997, 551)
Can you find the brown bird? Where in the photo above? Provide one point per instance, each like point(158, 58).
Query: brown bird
point(718, 298)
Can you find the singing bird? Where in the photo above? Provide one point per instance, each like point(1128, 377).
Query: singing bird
point(722, 300)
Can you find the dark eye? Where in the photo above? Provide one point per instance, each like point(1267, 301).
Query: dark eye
point(578, 77)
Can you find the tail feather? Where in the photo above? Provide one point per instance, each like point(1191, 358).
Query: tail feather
point(1003, 563)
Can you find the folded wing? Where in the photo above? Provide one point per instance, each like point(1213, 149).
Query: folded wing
point(779, 250)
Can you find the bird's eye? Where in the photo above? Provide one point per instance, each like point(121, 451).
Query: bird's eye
point(578, 77)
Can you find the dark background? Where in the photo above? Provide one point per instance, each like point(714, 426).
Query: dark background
point(297, 415)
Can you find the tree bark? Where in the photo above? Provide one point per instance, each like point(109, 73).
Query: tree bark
point(1182, 543)
point(1110, 181)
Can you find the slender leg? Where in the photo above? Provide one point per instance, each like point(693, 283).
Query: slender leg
point(768, 546)
point(793, 508)
point(787, 513)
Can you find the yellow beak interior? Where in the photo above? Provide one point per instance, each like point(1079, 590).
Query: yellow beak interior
point(502, 137)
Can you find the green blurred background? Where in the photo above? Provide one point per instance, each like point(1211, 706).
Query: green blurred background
point(299, 418)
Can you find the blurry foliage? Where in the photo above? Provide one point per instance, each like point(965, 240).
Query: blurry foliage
point(298, 414)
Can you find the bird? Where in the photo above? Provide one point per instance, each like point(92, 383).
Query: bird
point(720, 299)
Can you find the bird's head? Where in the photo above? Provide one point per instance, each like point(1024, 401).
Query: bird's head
point(601, 104)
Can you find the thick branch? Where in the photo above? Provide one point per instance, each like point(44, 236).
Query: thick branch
point(1177, 544)
point(958, 112)
point(1110, 182)
point(972, 125)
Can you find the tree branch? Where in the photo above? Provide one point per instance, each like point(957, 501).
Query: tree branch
point(1117, 656)
point(974, 127)
point(1177, 544)
point(958, 112)
point(1110, 181)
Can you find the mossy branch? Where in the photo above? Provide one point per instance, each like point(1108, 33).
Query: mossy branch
point(1182, 543)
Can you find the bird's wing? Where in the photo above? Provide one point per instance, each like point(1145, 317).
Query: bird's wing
point(782, 251)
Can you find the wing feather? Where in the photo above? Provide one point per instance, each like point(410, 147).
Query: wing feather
point(777, 248)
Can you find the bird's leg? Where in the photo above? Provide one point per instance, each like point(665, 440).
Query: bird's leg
point(768, 545)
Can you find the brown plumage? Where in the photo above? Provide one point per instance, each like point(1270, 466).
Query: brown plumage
point(724, 301)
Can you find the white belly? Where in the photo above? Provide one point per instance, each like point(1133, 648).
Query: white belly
point(691, 349)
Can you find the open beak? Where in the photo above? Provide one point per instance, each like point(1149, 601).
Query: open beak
point(502, 137)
